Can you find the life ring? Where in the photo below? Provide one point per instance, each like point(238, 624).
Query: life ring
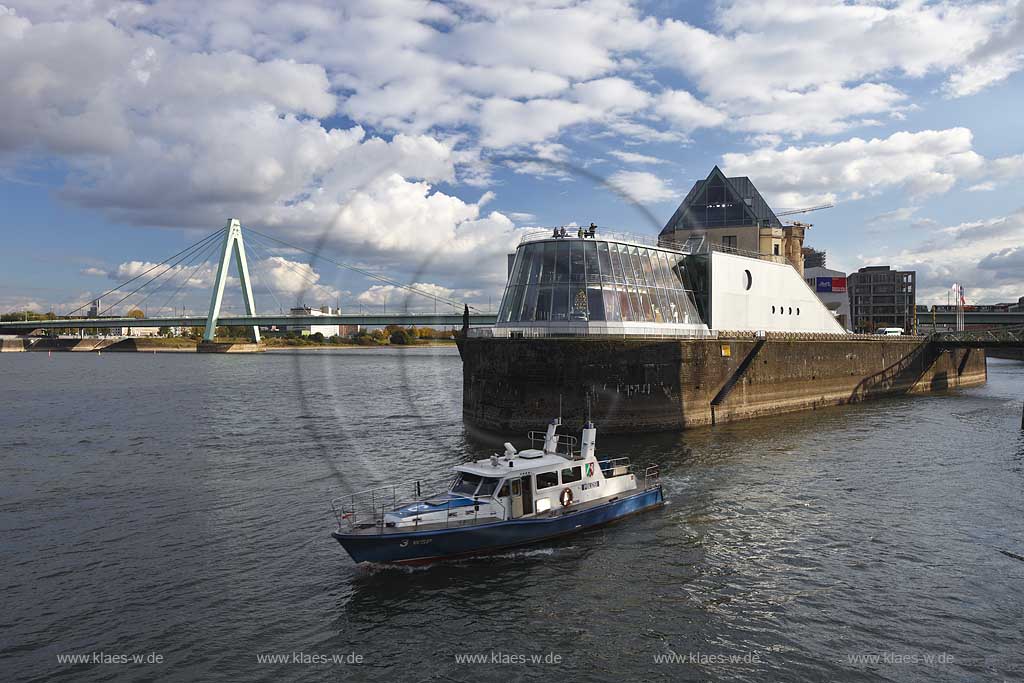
point(565, 497)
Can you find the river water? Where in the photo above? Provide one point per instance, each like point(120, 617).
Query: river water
point(177, 507)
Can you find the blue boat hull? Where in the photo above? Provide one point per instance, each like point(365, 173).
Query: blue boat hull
point(427, 546)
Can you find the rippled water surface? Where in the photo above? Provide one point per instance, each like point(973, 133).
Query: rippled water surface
point(178, 505)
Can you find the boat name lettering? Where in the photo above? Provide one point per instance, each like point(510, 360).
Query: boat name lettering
point(590, 485)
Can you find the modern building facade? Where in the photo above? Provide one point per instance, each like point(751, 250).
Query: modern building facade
point(306, 330)
point(882, 297)
point(830, 286)
point(618, 284)
point(730, 213)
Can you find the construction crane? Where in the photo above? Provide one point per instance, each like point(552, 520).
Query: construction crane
point(790, 212)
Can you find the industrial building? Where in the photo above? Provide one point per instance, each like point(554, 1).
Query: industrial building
point(882, 297)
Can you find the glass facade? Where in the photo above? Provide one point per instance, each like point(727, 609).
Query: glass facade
point(587, 280)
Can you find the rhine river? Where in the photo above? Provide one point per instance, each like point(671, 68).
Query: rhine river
point(177, 506)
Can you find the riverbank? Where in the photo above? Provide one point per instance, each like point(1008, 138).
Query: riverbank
point(179, 345)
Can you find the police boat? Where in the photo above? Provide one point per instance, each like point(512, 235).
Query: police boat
point(514, 499)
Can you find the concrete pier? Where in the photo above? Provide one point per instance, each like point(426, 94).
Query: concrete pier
point(641, 385)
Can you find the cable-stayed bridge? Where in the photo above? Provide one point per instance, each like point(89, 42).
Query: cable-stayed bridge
point(227, 245)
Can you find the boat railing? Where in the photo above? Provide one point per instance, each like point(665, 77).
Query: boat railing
point(367, 508)
point(364, 511)
point(614, 467)
point(652, 476)
point(647, 477)
point(569, 442)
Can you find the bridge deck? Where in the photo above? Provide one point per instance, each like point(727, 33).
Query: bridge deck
point(422, 319)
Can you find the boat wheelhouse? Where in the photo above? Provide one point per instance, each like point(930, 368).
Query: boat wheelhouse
point(516, 498)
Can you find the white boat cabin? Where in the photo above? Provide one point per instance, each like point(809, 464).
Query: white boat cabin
point(524, 484)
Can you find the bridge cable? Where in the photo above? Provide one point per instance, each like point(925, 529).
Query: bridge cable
point(169, 267)
point(264, 259)
point(154, 267)
point(156, 277)
point(175, 270)
point(367, 273)
point(305, 275)
point(209, 251)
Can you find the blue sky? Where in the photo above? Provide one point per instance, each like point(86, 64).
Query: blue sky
point(420, 139)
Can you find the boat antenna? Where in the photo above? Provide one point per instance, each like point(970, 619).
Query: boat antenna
point(559, 408)
point(588, 406)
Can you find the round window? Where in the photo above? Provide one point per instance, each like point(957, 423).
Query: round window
point(747, 279)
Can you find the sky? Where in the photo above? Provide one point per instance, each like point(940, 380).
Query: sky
point(420, 140)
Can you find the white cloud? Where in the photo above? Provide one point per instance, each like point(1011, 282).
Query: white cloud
point(999, 56)
point(925, 162)
point(641, 186)
point(635, 158)
point(765, 46)
point(402, 299)
point(827, 109)
point(985, 256)
point(505, 122)
point(686, 112)
point(611, 95)
point(294, 278)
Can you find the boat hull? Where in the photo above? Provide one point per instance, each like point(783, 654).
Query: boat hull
point(429, 546)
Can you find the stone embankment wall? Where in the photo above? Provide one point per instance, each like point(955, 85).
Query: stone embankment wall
point(130, 344)
point(650, 385)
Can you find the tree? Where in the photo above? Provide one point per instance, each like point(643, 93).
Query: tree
point(165, 332)
point(401, 337)
point(317, 337)
point(136, 313)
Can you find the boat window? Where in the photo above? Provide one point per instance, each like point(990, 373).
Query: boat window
point(503, 493)
point(571, 474)
point(488, 486)
point(466, 484)
point(547, 480)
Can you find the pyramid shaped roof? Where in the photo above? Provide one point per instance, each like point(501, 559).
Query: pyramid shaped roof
point(718, 202)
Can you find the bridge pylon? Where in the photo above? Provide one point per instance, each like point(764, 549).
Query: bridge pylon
point(233, 244)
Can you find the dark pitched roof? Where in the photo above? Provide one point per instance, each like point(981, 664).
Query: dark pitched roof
point(718, 201)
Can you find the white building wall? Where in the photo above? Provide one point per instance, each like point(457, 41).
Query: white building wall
point(776, 294)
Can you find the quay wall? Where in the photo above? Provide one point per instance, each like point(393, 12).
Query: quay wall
point(640, 385)
point(12, 344)
point(1009, 354)
point(128, 344)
